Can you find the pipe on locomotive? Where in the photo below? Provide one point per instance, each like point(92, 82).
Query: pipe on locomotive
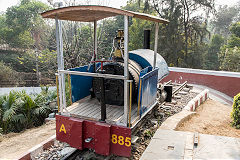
point(146, 39)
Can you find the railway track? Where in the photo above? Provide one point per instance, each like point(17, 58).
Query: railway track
point(145, 130)
point(73, 155)
point(179, 88)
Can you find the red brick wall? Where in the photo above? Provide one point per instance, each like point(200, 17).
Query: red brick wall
point(225, 84)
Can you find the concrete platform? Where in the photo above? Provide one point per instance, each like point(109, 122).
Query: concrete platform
point(173, 122)
point(170, 144)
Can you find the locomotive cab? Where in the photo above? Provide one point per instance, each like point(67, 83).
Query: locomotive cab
point(110, 97)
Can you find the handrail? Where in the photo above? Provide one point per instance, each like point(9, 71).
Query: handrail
point(93, 74)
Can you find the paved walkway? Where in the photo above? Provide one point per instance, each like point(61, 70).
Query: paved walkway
point(19, 143)
point(170, 144)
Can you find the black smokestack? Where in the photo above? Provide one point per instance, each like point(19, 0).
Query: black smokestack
point(146, 40)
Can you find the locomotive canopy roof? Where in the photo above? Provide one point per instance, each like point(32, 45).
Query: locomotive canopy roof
point(90, 13)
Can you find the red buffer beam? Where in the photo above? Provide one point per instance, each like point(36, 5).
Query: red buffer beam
point(104, 138)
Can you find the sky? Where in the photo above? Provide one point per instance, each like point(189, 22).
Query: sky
point(4, 4)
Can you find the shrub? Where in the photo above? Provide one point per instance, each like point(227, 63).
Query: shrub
point(19, 111)
point(7, 74)
point(236, 112)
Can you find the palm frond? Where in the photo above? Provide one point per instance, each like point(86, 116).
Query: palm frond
point(8, 114)
point(44, 89)
point(19, 118)
point(1, 102)
point(12, 97)
point(8, 100)
point(18, 103)
point(42, 110)
point(28, 101)
point(11, 107)
point(52, 95)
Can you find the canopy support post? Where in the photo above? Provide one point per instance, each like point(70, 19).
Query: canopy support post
point(126, 72)
point(95, 44)
point(60, 60)
point(155, 44)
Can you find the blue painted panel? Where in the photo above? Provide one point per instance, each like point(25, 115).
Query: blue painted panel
point(145, 57)
point(148, 95)
point(145, 71)
point(81, 85)
point(139, 59)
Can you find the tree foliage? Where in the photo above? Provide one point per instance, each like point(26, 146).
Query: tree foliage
point(210, 60)
point(136, 33)
point(231, 59)
point(223, 19)
point(229, 56)
point(185, 33)
point(23, 30)
point(235, 29)
point(7, 74)
point(45, 59)
point(23, 26)
point(234, 40)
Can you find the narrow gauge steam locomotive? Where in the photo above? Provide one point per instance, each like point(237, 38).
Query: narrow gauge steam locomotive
point(110, 96)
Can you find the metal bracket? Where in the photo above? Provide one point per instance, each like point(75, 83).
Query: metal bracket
point(88, 140)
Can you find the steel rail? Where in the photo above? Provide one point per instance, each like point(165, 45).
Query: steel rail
point(72, 154)
point(179, 88)
point(167, 82)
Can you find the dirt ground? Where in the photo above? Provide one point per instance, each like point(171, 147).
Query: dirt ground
point(15, 144)
point(213, 118)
